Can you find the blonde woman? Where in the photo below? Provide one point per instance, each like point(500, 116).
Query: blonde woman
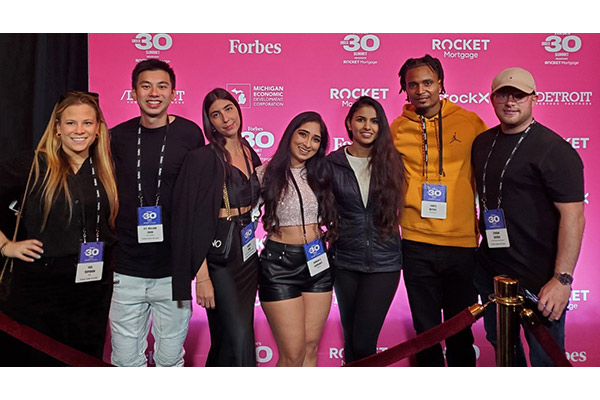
point(62, 277)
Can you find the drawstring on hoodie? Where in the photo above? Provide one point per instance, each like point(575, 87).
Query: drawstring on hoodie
point(426, 148)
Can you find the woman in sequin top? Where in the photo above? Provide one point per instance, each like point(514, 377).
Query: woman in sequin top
point(298, 201)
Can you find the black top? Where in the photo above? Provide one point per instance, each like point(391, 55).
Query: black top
point(545, 169)
point(197, 200)
point(64, 231)
point(148, 260)
point(242, 191)
point(359, 246)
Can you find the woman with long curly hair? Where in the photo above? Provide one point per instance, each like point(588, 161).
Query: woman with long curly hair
point(368, 184)
point(295, 289)
point(217, 187)
point(70, 207)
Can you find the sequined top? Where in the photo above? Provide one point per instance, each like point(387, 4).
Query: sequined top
point(288, 209)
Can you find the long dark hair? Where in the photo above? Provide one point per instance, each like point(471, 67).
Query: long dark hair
point(387, 171)
point(216, 139)
point(278, 175)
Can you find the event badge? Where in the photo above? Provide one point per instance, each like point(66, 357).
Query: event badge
point(316, 258)
point(89, 267)
point(495, 229)
point(150, 228)
point(434, 201)
point(248, 241)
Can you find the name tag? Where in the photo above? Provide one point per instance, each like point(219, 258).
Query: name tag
point(89, 267)
point(150, 228)
point(434, 203)
point(495, 229)
point(316, 258)
point(248, 241)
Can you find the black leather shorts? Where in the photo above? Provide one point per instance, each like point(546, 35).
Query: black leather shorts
point(284, 273)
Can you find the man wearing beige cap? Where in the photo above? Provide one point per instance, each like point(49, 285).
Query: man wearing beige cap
point(530, 186)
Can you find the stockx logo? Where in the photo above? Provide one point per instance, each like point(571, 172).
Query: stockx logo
point(468, 98)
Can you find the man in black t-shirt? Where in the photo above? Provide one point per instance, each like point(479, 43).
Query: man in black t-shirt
point(530, 186)
point(148, 152)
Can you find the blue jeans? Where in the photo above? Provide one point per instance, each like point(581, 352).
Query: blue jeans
point(134, 300)
point(484, 282)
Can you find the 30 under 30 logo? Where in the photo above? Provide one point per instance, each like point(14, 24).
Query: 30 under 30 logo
point(147, 41)
point(314, 249)
point(562, 46)
point(434, 193)
point(493, 219)
point(91, 252)
point(149, 215)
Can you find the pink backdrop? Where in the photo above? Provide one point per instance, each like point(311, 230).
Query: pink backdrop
point(276, 76)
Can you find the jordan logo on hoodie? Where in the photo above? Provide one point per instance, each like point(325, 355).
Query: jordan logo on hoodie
point(455, 139)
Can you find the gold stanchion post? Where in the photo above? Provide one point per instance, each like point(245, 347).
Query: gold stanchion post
point(508, 306)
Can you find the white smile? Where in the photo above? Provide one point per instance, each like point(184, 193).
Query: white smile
point(303, 151)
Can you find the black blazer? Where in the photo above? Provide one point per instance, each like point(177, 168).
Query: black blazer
point(359, 247)
point(196, 203)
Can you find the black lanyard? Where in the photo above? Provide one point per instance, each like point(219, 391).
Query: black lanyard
point(301, 206)
point(510, 157)
point(139, 164)
point(82, 204)
point(426, 147)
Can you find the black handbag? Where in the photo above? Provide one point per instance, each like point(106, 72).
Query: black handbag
point(223, 242)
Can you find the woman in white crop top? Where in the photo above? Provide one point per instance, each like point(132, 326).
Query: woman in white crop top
point(295, 289)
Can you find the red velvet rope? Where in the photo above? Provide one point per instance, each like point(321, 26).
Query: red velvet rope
point(532, 323)
point(421, 342)
point(45, 344)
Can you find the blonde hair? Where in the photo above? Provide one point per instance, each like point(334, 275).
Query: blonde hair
point(55, 180)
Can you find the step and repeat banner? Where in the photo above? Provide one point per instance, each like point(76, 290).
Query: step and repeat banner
point(276, 76)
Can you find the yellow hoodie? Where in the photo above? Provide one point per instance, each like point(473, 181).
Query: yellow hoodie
point(459, 129)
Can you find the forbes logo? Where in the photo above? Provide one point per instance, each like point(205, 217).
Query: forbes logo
point(238, 47)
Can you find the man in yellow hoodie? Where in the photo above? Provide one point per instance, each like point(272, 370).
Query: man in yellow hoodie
point(439, 225)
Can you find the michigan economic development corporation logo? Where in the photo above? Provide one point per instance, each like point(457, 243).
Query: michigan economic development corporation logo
point(563, 46)
point(152, 45)
point(261, 95)
point(462, 48)
point(360, 48)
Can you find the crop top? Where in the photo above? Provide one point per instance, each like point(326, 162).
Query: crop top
point(288, 209)
point(242, 191)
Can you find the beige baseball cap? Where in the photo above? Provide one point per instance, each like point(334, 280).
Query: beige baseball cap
point(514, 77)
